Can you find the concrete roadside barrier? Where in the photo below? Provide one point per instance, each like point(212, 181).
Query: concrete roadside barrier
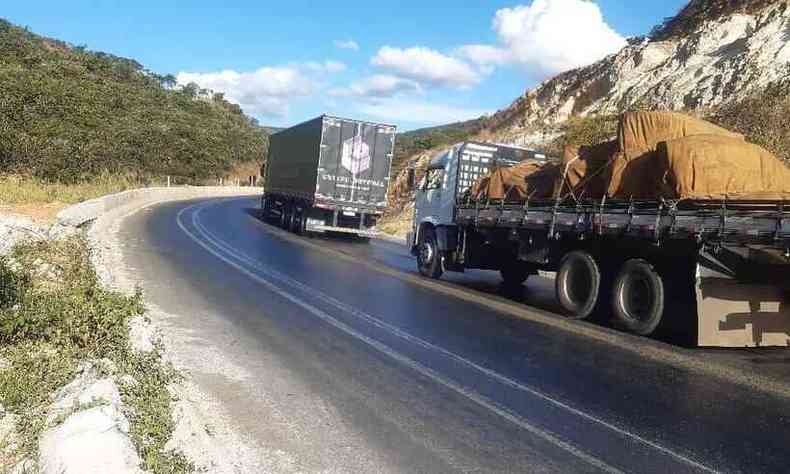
point(84, 212)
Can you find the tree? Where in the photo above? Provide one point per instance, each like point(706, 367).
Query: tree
point(190, 90)
point(168, 81)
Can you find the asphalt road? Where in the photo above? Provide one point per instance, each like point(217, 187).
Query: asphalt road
point(347, 367)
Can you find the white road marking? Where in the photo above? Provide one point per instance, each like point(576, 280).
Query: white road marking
point(480, 399)
point(245, 258)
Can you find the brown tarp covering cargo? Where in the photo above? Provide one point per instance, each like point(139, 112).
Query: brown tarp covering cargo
point(656, 155)
point(720, 167)
point(530, 178)
point(637, 172)
point(586, 170)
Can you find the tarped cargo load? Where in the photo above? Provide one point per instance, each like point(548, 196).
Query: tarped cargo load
point(719, 167)
point(530, 178)
point(639, 178)
point(586, 170)
point(637, 173)
point(640, 132)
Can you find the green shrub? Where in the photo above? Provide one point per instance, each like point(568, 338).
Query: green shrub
point(12, 285)
point(78, 313)
point(584, 131)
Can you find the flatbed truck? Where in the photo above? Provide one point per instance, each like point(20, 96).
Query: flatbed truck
point(718, 268)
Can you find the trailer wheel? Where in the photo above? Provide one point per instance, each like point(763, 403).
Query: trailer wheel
point(265, 213)
point(285, 217)
point(429, 261)
point(578, 284)
point(638, 297)
point(295, 222)
point(515, 273)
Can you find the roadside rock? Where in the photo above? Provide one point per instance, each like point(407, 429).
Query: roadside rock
point(89, 441)
point(16, 229)
point(143, 335)
point(88, 431)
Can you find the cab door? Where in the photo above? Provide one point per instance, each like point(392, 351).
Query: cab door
point(428, 200)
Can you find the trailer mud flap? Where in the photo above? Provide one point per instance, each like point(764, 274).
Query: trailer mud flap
point(735, 314)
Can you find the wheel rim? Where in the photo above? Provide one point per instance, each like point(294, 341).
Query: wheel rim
point(426, 255)
point(578, 284)
point(637, 298)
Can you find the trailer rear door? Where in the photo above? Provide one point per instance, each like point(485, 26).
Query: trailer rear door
point(355, 161)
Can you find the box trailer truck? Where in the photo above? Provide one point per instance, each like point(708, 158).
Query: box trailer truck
point(328, 174)
point(721, 266)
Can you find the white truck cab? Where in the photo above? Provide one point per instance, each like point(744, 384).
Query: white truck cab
point(448, 178)
point(434, 201)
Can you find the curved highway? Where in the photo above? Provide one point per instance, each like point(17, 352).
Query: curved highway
point(344, 359)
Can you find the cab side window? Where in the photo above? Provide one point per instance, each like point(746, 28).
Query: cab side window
point(434, 179)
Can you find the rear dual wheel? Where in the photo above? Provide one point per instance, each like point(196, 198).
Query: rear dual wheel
point(292, 220)
point(638, 297)
point(578, 284)
point(638, 293)
point(285, 217)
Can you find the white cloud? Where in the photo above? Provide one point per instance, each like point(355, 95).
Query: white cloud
point(427, 66)
point(325, 67)
point(265, 92)
point(393, 110)
point(551, 36)
point(347, 44)
point(485, 55)
point(379, 85)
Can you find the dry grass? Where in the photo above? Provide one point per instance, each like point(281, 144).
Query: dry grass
point(397, 224)
point(17, 190)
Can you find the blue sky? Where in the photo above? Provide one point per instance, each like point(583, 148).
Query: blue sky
point(412, 63)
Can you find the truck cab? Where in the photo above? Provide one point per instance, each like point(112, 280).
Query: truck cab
point(448, 178)
point(435, 197)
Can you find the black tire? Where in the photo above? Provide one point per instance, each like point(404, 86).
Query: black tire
point(429, 262)
point(266, 211)
point(295, 222)
point(638, 297)
point(515, 273)
point(264, 208)
point(285, 217)
point(578, 284)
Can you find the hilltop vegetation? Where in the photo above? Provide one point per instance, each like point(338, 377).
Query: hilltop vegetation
point(69, 115)
point(411, 143)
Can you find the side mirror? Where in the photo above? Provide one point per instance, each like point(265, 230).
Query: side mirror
point(410, 178)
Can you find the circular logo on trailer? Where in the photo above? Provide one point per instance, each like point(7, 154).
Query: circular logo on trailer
point(356, 155)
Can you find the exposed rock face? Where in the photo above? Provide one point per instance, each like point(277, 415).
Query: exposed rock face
point(720, 60)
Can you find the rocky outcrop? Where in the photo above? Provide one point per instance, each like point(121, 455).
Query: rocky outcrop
point(718, 61)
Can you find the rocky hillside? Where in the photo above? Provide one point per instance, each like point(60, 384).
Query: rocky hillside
point(691, 62)
point(718, 58)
